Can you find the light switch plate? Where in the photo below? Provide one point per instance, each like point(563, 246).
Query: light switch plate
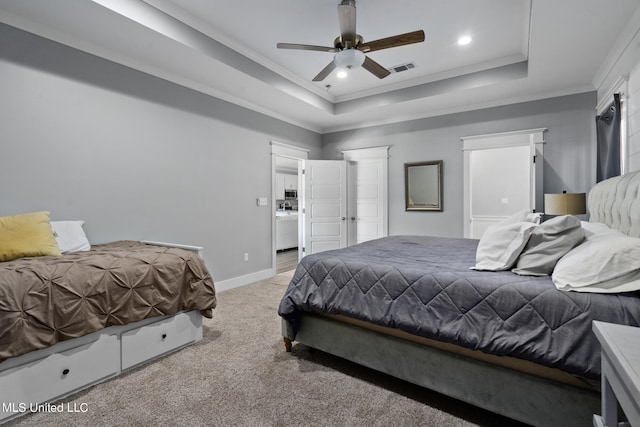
point(262, 201)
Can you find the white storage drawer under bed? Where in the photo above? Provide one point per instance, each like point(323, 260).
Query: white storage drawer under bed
point(49, 374)
point(155, 339)
point(59, 374)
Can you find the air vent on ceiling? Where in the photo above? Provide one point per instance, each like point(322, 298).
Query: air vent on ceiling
point(402, 67)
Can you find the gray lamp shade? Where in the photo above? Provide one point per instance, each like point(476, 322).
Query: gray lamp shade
point(565, 204)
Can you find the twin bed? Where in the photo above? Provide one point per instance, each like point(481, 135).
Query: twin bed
point(70, 321)
point(410, 306)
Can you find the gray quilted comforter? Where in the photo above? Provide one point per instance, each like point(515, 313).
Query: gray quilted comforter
point(423, 286)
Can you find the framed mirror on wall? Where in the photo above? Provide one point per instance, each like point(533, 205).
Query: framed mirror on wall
point(423, 186)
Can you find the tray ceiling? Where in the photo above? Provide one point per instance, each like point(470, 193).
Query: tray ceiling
point(520, 50)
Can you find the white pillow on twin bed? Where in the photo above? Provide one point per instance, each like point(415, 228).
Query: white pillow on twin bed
point(70, 236)
point(607, 262)
point(501, 245)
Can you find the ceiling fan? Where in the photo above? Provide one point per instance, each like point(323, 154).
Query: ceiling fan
point(350, 48)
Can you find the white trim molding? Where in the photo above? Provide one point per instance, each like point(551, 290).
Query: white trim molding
point(236, 282)
point(503, 139)
point(621, 86)
point(288, 150)
point(366, 153)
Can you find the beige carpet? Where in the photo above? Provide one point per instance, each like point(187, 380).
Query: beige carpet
point(240, 375)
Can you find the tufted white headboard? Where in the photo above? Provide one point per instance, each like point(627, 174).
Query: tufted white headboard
point(616, 203)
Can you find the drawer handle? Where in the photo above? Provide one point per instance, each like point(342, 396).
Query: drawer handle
point(164, 336)
point(65, 371)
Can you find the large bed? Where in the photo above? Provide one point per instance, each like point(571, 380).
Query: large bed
point(69, 321)
point(410, 306)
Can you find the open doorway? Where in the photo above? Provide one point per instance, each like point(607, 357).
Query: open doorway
point(286, 213)
point(285, 161)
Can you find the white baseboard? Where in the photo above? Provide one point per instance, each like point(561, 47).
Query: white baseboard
point(236, 282)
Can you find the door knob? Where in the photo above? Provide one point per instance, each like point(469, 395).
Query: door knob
point(353, 218)
point(343, 218)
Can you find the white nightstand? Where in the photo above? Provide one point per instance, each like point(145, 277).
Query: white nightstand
point(620, 373)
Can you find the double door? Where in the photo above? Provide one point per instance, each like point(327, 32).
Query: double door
point(341, 203)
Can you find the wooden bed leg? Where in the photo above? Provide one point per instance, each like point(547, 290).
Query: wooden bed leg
point(287, 344)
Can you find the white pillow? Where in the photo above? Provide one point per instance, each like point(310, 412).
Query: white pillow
point(501, 245)
point(607, 261)
point(549, 242)
point(70, 236)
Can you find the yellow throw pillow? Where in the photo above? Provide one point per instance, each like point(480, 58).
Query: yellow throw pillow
point(26, 235)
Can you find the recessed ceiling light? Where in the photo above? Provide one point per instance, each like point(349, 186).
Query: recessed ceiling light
point(342, 74)
point(464, 40)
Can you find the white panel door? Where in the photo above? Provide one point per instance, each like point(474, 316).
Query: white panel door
point(367, 203)
point(325, 205)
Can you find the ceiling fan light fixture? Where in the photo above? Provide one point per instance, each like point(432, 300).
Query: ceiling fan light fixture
point(350, 48)
point(349, 58)
point(341, 74)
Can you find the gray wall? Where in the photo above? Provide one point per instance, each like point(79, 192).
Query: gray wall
point(569, 153)
point(134, 156)
point(141, 158)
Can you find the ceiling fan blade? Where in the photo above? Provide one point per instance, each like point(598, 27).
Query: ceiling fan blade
point(306, 47)
point(325, 72)
point(374, 68)
point(393, 41)
point(347, 18)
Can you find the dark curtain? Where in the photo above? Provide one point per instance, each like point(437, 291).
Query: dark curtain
point(608, 141)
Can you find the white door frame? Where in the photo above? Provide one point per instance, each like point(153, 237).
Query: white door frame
point(533, 137)
point(292, 152)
